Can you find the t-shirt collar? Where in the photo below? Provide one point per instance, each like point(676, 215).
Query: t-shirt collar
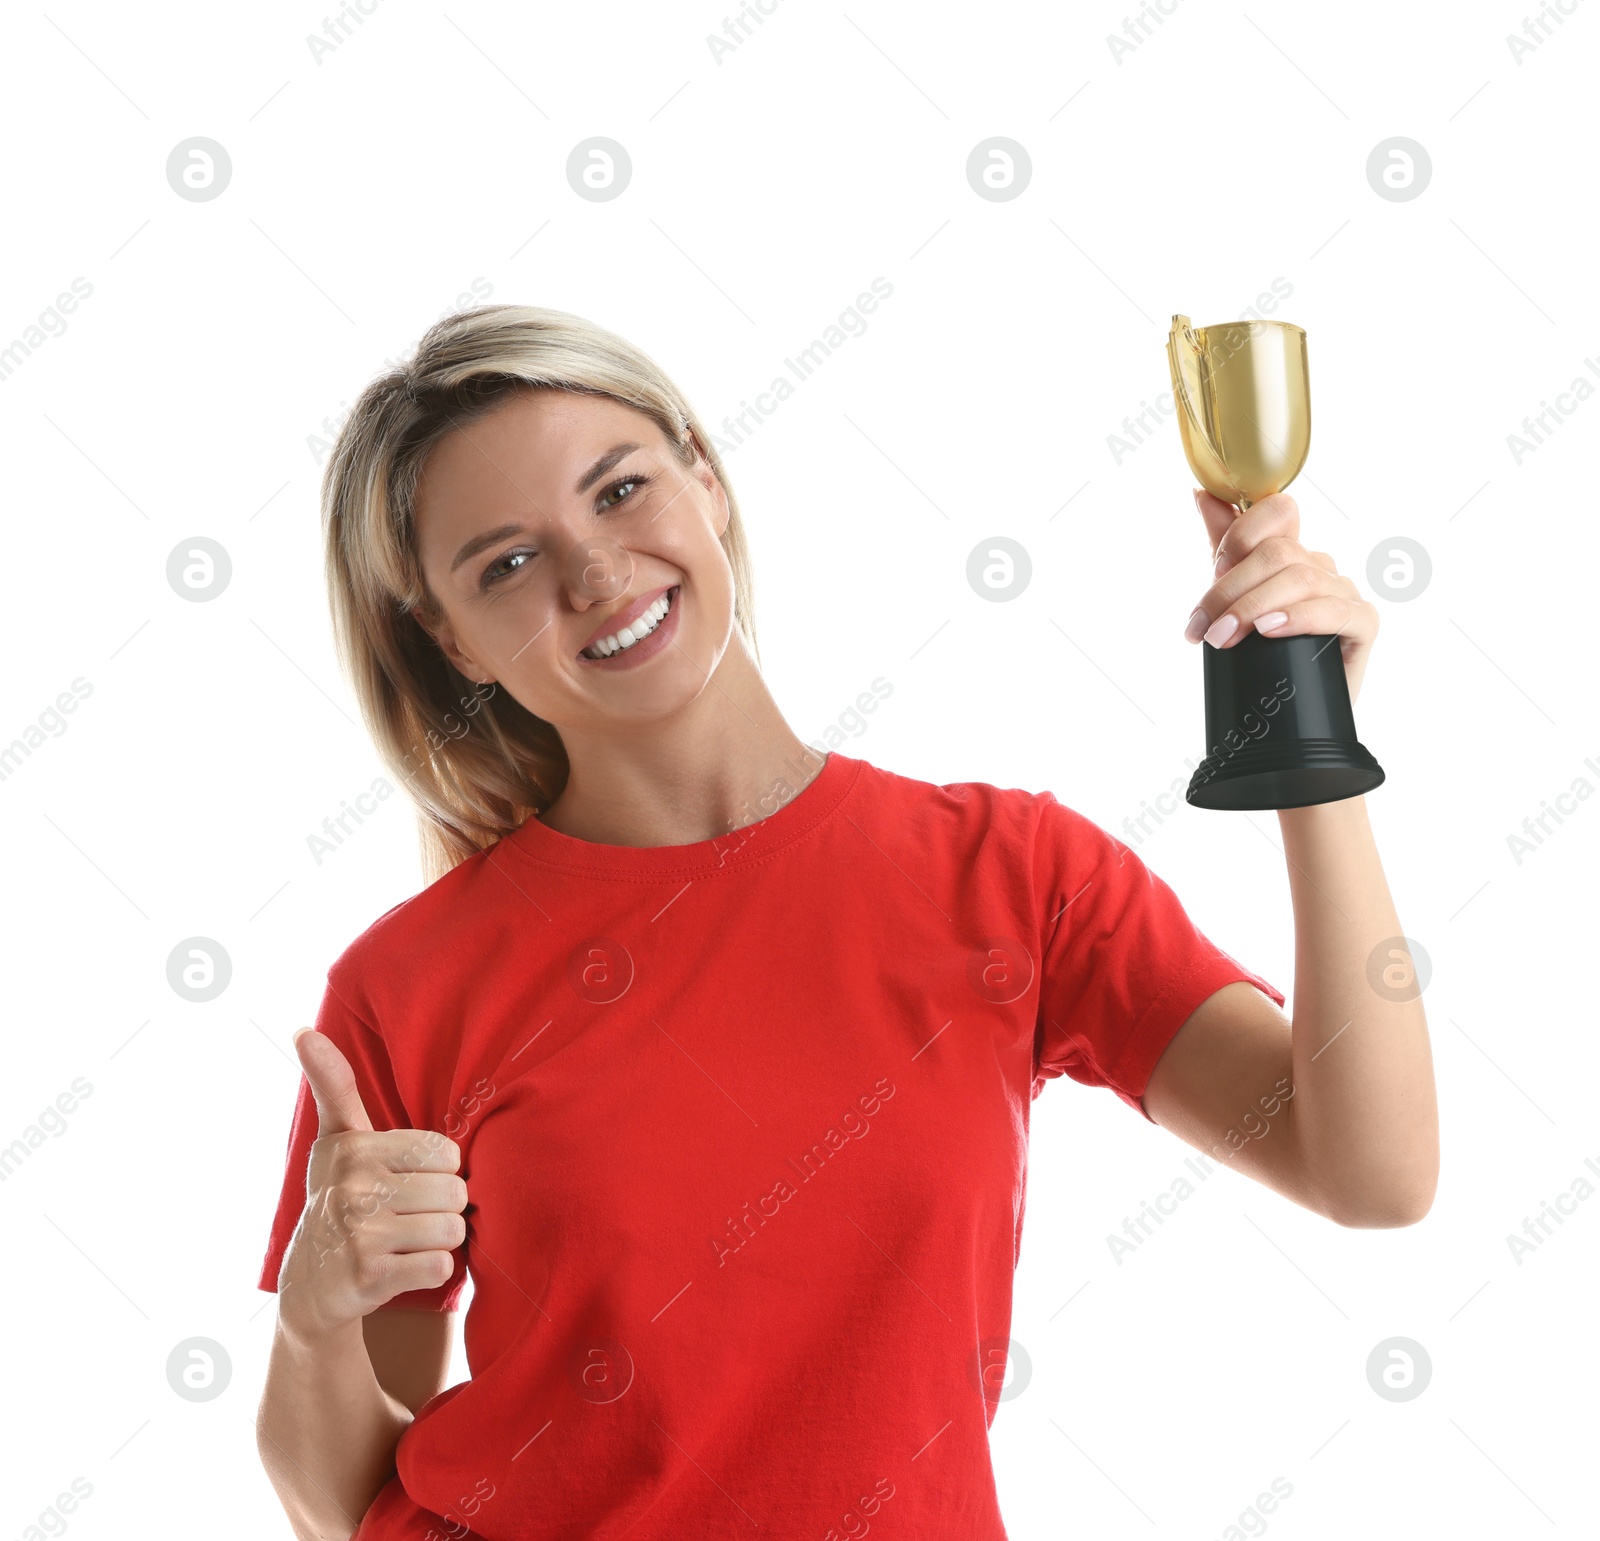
point(792, 815)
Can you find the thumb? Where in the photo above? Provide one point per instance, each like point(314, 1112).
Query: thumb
point(1219, 516)
point(333, 1083)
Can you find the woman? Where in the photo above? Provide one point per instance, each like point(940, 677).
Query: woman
point(708, 1053)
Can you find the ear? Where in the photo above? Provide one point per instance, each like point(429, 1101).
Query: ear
point(702, 472)
point(720, 512)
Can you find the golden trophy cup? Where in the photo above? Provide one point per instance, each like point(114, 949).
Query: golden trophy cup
point(1278, 721)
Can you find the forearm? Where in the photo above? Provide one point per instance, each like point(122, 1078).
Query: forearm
point(326, 1430)
point(1364, 1108)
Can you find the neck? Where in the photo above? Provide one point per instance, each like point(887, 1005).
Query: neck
point(724, 761)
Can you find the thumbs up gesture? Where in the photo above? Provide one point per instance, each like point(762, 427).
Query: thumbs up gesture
point(383, 1207)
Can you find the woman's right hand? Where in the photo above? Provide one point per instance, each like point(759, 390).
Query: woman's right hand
point(383, 1207)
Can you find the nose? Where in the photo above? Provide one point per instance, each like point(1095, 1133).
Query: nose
point(598, 569)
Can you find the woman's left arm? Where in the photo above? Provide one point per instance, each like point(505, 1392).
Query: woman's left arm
point(1357, 1136)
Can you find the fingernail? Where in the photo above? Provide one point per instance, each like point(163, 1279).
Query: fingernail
point(1196, 497)
point(1223, 629)
point(1196, 628)
point(1271, 620)
point(1222, 564)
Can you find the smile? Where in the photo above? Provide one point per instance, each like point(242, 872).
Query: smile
point(635, 632)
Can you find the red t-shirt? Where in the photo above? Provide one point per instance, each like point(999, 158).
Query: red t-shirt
point(744, 1129)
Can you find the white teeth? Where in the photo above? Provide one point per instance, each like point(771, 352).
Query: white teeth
point(636, 631)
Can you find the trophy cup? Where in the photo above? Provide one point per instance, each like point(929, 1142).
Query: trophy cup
point(1278, 721)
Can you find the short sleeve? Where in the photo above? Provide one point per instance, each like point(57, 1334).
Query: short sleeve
point(1122, 965)
point(369, 1060)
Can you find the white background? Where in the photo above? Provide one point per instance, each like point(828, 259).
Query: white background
point(1228, 149)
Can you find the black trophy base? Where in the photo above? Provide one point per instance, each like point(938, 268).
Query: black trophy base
point(1280, 728)
point(1312, 770)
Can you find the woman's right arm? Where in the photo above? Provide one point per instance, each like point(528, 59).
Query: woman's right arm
point(326, 1429)
point(382, 1217)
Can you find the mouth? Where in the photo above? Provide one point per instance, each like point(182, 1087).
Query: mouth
point(646, 632)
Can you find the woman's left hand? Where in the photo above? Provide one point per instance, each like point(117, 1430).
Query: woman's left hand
point(1265, 578)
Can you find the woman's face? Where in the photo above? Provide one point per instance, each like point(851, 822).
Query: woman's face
point(543, 526)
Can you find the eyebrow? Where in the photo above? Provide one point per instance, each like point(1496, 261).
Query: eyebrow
point(602, 465)
point(479, 542)
point(504, 531)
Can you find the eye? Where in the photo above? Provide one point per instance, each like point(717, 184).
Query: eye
point(627, 481)
point(493, 573)
point(498, 572)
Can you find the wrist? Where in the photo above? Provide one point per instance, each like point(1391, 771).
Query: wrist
point(1345, 813)
point(307, 1336)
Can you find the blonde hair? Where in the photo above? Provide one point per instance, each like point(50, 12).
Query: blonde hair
point(474, 761)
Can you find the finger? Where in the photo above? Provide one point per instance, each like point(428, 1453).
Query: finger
point(1316, 615)
point(1218, 516)
point(1233, 604)
point(410, 1151)
point(405, 1271)
point(1276, 554)
point(333, 1083)
point(422, 1193)
point(1274, 517)
point(432, 1232)
point(1353, 621)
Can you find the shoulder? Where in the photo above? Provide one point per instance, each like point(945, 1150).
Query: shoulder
point(430, 924)
point(971, 800)
point(978, 812)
